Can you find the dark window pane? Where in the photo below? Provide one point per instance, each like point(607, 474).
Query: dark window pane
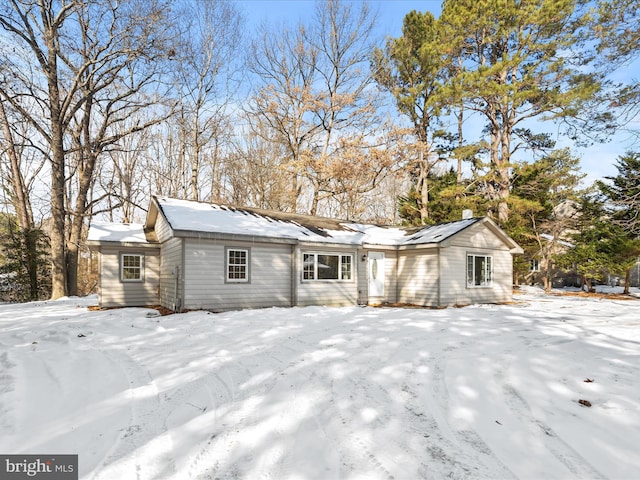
point(328, 267)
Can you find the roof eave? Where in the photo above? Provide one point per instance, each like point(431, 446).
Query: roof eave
point(514, 248)
point(240, 237)
point(113, 243)
point(418, 246)
point(152, 213)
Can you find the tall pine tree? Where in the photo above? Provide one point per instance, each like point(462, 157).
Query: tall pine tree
point(517, 63)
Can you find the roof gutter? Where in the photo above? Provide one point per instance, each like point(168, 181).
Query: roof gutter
point(238, 237)
point(111, 243)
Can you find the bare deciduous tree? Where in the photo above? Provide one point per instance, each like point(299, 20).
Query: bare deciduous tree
point(318, 100)
point(88, 67)
point(206, 76)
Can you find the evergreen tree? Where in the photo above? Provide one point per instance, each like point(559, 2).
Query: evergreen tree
point(623, 193)
point(622, 197)
point(544, 201)
point(447, 200)
point(26, 258)
point(518, 63)
point(601, 246)
point(412, 67)
point(587, 256)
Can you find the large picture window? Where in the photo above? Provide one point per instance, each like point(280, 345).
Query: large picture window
point(130, 267)
point(326, 266)
point(237, 265)
point(479, 271)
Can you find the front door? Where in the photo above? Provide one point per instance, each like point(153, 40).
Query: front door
point(376, 274)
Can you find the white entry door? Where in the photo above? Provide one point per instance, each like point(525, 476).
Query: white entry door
point(376, 274)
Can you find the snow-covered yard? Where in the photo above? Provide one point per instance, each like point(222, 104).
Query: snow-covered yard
point(323, 393)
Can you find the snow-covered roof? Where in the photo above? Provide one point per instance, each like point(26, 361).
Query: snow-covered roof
point(116, 232)
point(437, 233)
point(191, 216)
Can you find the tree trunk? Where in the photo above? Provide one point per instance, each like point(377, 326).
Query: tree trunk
point(315, 199)
point(423, 188)
point(460, 142)
point(627, 281)
point(58, 211)
point(494, 153)
point(503, 184)
point(195, 160)
point(504, 180)
point(86, 175)
point(58, 250)
point(547, 277)
point(295, 192)
point(22, 205)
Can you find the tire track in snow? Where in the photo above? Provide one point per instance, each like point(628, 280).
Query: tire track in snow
point(445, 457)
point(297, 416)
point(478, 454)
point(212, 457)
point(351, 437)
point(567, 455)
point(334, 428)
point(145, 430)
point(7, 421)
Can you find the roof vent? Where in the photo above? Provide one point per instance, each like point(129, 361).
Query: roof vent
point(467, 214)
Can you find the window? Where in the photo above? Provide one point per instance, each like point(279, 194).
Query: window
point(237, 265)
point(479, 271)
point(130, 267)
point(324, 266)
point(535, 265)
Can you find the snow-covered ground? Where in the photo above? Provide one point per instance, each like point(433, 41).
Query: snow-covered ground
point(322, 393)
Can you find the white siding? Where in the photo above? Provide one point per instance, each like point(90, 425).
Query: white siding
point(362, 277)
point(171, 273)
point(328, 292)
point(477, 240)
point(391, 270)
point(115, 293)
point(478, 236)
point(204, 276)
point(454, 290)
point(418, 277)
point(162, 229)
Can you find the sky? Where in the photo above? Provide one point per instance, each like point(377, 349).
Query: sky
point(597, 160)
point(391, 12)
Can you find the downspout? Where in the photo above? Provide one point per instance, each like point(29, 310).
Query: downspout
point(397, 279)
point(176, 297)
point(294, 277)
point(439, 277)
point(100, 276)
point(179, 281)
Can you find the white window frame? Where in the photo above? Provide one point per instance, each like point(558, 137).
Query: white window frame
point(246, 264)
point(140, 267)
point(535, 265)
point(344, 268)
point(486, 277)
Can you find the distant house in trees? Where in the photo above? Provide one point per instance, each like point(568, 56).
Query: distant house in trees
point(560, 277)
point(192, 255)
